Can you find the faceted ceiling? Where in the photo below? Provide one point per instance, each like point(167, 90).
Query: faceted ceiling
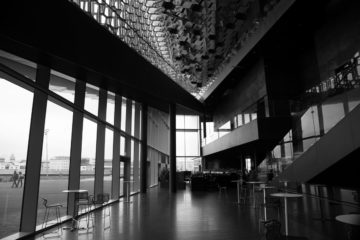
point(191, 41)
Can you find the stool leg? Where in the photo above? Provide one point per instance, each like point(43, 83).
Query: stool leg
point(58, 220)
point(45, 218)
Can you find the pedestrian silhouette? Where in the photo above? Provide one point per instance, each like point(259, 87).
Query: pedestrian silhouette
point(15, 178)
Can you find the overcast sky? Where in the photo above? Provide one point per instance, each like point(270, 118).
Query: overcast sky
point(16, 104)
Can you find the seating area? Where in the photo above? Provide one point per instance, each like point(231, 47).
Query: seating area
point(195, 211)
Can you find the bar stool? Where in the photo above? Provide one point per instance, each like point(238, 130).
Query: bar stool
point(48, 207)
point(83, 201)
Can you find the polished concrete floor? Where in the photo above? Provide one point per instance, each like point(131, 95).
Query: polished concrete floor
point(197, 215)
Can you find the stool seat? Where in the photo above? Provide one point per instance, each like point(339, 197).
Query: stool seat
point(54, 205)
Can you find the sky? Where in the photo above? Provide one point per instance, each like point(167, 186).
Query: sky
point(16, 106)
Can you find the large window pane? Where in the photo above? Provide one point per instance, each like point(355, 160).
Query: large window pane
point(133, 119)
point(122, 146)
point(123, 114)
point(92, 99)
point(180, 122)
point(110, 107)
point(109, 137)
point(240, 120)
point(310, 123)
point(332, 113)
point(62, 85)
point(192, 143)
point(180, 143)
point(180, 164)
point(191, 122)
point(55, 158)
point(15, 108)
point(88, 151)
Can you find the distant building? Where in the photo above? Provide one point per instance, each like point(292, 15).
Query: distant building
point(59, 163)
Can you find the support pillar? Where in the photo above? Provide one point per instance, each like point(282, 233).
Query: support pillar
point(34, 153)
point(76, 144)
point(115, 186)
point(137, 148)
point(172, 180)
point(143, 160)
point(100, 145)
point(127, 163)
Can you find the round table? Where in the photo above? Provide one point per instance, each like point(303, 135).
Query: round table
point(74, 224)
point(74, 191)
point(286, 196)
point(238, 182)
point(253, 183)
point(264, 191)
point(352, 219)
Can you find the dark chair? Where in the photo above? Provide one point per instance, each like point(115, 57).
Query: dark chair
point(273, 231)
point(55, 206)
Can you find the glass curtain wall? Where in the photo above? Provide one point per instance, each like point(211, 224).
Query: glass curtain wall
point(158, 144)
point(16, 104)
point(187, 143)
point(56, 145)
point(15, 108)
point(108, 158)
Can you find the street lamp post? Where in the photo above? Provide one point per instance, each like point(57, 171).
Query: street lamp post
point(46, 132)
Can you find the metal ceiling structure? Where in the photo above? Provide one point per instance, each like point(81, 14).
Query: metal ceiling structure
point(191, 41)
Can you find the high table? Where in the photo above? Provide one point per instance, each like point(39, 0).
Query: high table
point(74, 224)
point(351, 219)
point(264, 191)
point(253, 183)
point(286, 196)
point(127, 196)
point(238, 182)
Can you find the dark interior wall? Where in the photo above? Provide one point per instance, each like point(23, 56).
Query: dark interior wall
point(248, 90)
point(290, 59)
point(58, 34)
point(222, 163)
point(344, 173)
point(338, 38)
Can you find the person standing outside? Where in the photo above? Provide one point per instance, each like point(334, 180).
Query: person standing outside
point(20, 181)
point(15, 179)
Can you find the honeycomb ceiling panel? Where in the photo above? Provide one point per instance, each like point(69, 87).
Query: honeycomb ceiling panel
point(189, 40)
